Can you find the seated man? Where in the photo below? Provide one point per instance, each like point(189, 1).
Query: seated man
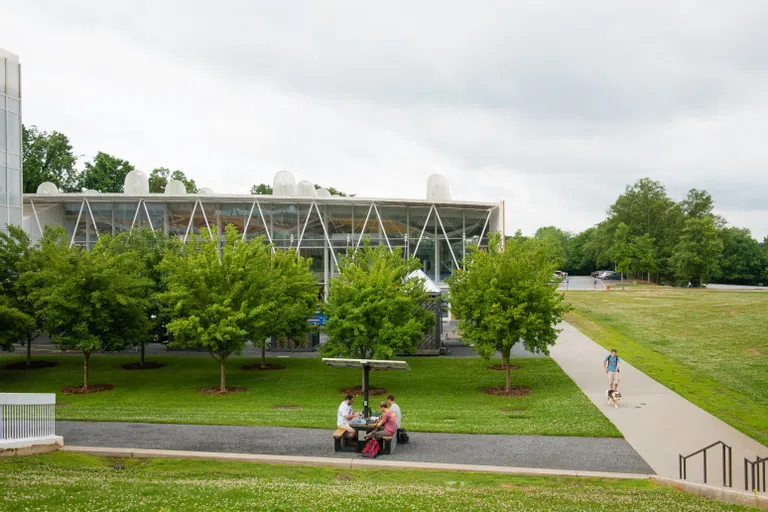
point(387, 420)
point(345, 414)
point(395, 409)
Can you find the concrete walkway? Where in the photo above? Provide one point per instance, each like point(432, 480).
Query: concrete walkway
point(657, 422)
point(563, 453)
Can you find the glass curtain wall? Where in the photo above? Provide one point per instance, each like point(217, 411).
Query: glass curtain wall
point(10, 140)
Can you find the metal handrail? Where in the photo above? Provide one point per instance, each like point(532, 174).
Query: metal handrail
point(755, 472)
point(727, 468)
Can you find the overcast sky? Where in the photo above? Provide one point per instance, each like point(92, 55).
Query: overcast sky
point(552, 106)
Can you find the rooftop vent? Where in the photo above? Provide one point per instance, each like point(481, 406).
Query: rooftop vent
point(136, 184)
point(284, 184)
point(437, 188)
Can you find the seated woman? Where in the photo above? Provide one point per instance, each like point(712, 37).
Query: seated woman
point(388, 420)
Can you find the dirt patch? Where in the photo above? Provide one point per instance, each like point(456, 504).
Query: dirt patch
point(92, 388)
point(343, 477)
point(137, 366)
point(268, 366)
point(286, 407)
point(33, 365)
point(218, 391)
point(501, 367)
point(512, 410)
point(754, 352)
point(358, 391)
point(516, 391)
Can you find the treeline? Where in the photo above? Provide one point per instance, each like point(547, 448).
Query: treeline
point(48, 156)
point(647, 235)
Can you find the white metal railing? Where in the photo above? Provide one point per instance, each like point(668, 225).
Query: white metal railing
point(27, 417)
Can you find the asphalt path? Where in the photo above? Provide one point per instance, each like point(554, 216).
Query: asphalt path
point(574, 453)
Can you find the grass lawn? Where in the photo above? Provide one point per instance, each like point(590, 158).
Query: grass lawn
point(70, 481)
point(438, 395)
point(709, 346)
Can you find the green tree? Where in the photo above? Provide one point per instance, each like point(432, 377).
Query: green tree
point(22, 322)
point(261, 189)
point(697, 203)
point(579, 260)
point(290, 300)
point(557, 242)
point(697, 252)
point(621, 250)
point(741, 261)
point(503, 297)
point(48, 157)
point(374, 311)
point(159, 177)
point(644, 254)
point(106, 173)
point(91, 300)
point(147, 249)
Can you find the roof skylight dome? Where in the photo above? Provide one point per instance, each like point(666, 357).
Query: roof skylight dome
point(47, 188)
point(305, 188)
point(175, 188)
point(438, 188)
point(284, 184)
point(136, 183)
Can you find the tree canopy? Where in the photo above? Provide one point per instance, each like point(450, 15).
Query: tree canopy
point(48, 157)
point(106, 173)
point(503, 297)
point(159, 177)
point(374, 311)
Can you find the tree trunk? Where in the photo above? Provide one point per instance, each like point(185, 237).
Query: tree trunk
point(86, 356)
point(505, 364)
point(29, 351)
point(223, 384)
point(649, 277)
point(143, 345)
point(622, 281)
point(264, 355)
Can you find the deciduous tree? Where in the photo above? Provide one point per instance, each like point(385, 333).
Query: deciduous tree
point(261, 189)
point(695, 256)
point(621, 250)
point(504, 297)
point(158, 179)
point(48, 157)
point(91, 300)
point(374, 311)
point(106, 173)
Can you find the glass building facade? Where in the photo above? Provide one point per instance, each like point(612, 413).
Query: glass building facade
point(10, 140)
point(323, 229)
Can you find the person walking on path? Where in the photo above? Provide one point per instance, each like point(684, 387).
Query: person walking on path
point(611, 365)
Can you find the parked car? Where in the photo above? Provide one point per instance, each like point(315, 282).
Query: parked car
point(611, 276)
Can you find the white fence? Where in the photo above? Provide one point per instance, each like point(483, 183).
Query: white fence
point(26, 417)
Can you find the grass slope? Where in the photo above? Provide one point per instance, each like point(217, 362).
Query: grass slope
point(70, 481)
point(438, 395)
point(710, 347)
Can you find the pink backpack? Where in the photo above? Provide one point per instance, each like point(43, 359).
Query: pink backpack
point(371, 449)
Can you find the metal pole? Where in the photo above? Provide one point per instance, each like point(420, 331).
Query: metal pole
point(680, 466)
point(705, 466)
point(724, 475)
point(366, 409)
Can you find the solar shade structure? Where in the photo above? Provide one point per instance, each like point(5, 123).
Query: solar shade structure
point(321, 228)
point(366, 365)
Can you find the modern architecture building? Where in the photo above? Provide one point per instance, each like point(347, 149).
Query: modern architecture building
point(319, 225)
point(10, 140)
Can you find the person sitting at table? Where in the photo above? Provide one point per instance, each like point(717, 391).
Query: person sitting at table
point(388, 420)
point(395, 409)
point(345, 414)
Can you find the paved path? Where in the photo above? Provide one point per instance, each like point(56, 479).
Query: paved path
point(657, 422)
point(570, 453)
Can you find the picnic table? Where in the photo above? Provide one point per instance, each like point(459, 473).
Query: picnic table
point(362, 429)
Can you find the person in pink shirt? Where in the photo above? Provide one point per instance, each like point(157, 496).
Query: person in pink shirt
point(388, 420)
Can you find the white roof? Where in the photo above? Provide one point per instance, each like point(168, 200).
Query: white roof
point(429, 285)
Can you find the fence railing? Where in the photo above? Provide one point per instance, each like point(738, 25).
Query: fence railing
point(727, 463)
point(27, 417)
point(754, 474)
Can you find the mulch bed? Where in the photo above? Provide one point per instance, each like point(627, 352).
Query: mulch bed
point(218, 391)
point(500, 391)
point(137, 366)
point(358, 391)
point(92, 388)
point(33, 365)
point(501, 367)
point(268, 366)
point(286, 407)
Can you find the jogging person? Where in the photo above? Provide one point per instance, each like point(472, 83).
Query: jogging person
point(611, 365)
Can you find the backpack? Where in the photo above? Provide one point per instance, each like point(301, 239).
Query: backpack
point(371, 449)
point(402, 436)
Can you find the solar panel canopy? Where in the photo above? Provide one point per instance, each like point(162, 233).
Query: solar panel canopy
point(373, 364)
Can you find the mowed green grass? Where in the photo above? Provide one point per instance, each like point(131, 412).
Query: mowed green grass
point(709, 346)
point(71, 481)
point(437, 395)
